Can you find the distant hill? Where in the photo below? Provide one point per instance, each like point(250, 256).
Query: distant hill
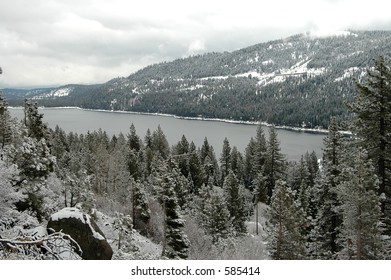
point(298, 81)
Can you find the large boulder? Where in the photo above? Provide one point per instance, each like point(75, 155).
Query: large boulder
point(84, 231)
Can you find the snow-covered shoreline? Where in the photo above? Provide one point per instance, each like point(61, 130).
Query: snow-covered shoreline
point(284, 127)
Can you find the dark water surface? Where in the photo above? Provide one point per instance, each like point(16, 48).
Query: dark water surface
point(293, 143)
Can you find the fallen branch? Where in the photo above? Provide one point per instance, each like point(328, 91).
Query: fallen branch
point(57, 245)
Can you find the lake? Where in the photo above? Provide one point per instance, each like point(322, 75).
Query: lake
point(293, 143)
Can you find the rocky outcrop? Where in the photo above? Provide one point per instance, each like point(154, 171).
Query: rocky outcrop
point(84, 231)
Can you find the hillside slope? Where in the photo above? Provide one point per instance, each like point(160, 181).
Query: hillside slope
point(298, 81)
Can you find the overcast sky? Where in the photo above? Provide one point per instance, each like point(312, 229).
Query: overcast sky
point(56, 42)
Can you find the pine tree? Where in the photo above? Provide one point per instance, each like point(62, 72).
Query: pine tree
point(216, 217)
point(235, 202)
point(206, 150)
point(140, 208)
point(209, 163)
point(195, 168)
point(225, 160)
point(159, 143)
point(286, 240)
point(183, 146)
point(181, 184)
point(305, 185)
point(9, 196)
point(147, 154)
point(275, 164)
point(180, 153)
point(134, 141)
point(361, 233)
point(328, 218)
point(175, 244)
point(33, 121)
point(237, 165)
point(133, 163)
point(261, 150)
point(255, 157)
point(372, 124)
point(260, 188)
point(250, 170)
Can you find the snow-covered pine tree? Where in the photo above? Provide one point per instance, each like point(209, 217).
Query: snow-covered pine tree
point(260, 150)
point(180, 153)
point(235, 202)
point(250, 171)
point(328, 218)
point(286, 240)
point(181, 187)
point(372, 125)
point(9, 196)
point(134, 141)
point(209, 163)
point(35, 163)
point(306, 191)
point(33, 120)
point(159, 143)
point(275, 164)
point(195, 168)
point(237, 164)
point(147, 154)
point(260, 188)
point(175, 243)
point(140, 208)
point(213, 214)
point(255, 157)
point(361, 233)
point(225, 160)
point(183, 146)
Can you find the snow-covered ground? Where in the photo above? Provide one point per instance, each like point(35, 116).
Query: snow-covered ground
point(348, 73)
point(143, 248)
point(279, 76)
point(60, 92)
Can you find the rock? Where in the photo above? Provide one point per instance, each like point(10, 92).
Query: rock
point(84, 231)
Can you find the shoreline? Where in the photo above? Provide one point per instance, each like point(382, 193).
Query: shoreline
point(289, 128)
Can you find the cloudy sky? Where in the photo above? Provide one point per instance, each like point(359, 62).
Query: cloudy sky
point(55, 42)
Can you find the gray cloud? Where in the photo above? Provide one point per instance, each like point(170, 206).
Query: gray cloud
point(57, 42)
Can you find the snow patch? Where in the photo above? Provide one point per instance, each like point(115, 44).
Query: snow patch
point(61, 92)
point(147, 249)
point(267, 62)
point(348, 73)
point(299, 69)
point(214, 78)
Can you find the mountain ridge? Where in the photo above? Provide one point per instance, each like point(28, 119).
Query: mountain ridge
point(300, 80)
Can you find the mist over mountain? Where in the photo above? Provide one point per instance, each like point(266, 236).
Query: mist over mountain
point(298, 81)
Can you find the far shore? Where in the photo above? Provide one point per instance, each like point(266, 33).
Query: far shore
point(291, 128)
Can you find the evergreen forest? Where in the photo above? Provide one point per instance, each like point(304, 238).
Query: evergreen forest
point(153, 201)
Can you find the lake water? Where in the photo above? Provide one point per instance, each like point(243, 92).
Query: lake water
point(293, 143)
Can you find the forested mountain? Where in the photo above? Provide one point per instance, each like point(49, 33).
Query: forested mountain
point(298, 81)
